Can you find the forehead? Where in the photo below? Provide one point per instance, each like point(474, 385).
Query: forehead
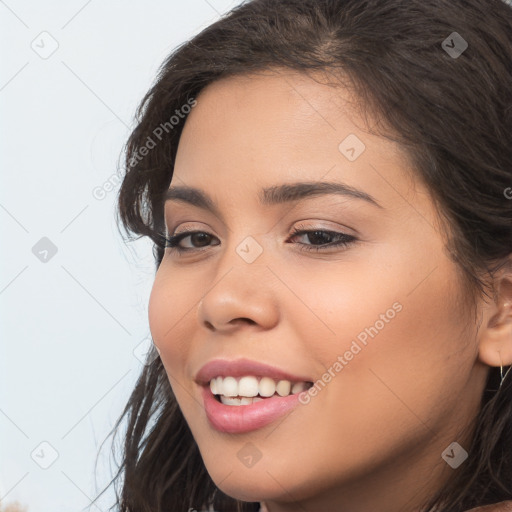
point(283, 127)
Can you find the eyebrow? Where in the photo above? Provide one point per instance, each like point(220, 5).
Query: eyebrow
point(277, 194)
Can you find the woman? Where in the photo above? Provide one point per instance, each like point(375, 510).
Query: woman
point(327, 184)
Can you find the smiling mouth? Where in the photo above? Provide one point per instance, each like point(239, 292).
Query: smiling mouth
point(251, 389)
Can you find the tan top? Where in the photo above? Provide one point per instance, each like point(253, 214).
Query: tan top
point(502, 506)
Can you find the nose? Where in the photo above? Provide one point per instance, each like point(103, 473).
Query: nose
point(242, 297)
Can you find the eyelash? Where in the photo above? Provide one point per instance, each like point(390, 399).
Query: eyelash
point(344, 240)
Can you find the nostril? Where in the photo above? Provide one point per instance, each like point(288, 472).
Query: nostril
point(242, 320)
point(233, 322)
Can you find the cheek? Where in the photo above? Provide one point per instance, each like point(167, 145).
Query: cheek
point(167, 310)
point(158, 304)
point(397, 328)
point(401, 350)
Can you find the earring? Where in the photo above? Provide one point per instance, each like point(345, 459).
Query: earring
point(506, 373)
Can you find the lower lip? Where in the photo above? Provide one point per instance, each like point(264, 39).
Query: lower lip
point(237, 419)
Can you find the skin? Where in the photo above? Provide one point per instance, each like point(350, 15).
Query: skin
point(372, 438)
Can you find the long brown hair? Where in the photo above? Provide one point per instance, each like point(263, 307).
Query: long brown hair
point(453, 114)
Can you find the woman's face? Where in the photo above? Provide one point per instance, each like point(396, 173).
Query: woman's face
point(377, 324)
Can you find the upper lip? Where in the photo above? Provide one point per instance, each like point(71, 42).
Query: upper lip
point(241, 367)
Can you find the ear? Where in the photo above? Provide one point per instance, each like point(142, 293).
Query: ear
point(495, 336)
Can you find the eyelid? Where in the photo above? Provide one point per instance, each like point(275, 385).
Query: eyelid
point(310, 223)
point(306, 223)
point(187, 227)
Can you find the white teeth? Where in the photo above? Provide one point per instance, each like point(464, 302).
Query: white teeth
point(227, 400)
point(267, 387)
point(299, 387)
point(248, 389)
point(248, 386)
point(283, 387)
point(230, 401)
point(229, 386)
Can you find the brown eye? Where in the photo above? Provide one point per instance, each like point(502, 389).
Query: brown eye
point(198, 238)
point(320, 239)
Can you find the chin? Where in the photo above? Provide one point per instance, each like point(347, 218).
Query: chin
point(253, 488)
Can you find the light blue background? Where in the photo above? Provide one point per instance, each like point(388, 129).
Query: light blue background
point(69, 326)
